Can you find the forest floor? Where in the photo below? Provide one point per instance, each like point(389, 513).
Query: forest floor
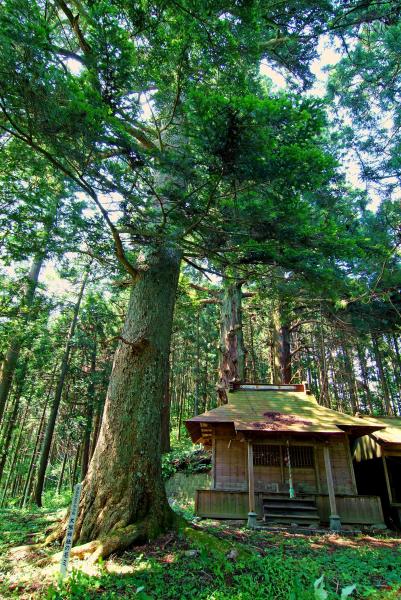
point(261, 565)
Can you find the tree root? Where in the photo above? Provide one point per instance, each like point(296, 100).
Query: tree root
point(120, 539)
point(117, 541)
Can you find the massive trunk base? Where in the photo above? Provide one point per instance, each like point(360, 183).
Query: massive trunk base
point(123, 489)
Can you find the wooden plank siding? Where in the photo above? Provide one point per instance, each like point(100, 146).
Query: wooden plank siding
point(230, 469)
point(353, 510)
point(222, 504)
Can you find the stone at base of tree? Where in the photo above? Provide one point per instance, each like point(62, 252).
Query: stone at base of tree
point(335, 523)
point(251, 524)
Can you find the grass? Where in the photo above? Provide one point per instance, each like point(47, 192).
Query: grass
point(279, 566)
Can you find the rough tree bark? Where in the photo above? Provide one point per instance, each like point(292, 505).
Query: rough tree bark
point(232, 349)
point(281, 351)
point(123, 495)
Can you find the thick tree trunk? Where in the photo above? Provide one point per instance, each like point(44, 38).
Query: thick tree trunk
point(124, 485)
point(44, 456)
point(232, 349)
point(11, 359)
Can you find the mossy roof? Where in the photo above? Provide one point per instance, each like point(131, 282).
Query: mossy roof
point(392, 432)
point(280, 411)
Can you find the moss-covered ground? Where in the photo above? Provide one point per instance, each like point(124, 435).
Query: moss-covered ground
point(261, 565)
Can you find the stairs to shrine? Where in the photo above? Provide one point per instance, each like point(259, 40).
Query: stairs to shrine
point(284, 510)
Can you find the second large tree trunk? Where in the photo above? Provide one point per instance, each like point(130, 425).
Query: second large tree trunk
point(232, 349)
point(124, 485)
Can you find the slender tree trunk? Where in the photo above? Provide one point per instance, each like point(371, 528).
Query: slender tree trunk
point(96, 428)
point(15, 457)
point(197, 367)
point(382, 376)
point(60, 479)
point(285, 353)
point(124, 484)
point(75, 466)
point(13, 424)
point(252, 350)
point(232, 349)
point(14, 349)
point(275, 348)
point(365, 377)
point(90, 405)
point(44, 457)
point(350, 377)
point(165, 416)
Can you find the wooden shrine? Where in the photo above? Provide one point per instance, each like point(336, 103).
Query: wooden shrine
point(279, 456)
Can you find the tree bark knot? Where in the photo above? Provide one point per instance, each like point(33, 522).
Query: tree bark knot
point(137, 345)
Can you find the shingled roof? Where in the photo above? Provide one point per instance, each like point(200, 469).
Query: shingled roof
point(278, 412)
point(392, 432)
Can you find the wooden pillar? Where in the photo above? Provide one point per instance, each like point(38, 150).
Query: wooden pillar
point(335, 522)
point(390, 496)
point(251, 488)
point(213, 482)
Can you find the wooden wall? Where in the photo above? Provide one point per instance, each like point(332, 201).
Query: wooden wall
point(230, 464)
point(230, 469)
point(353, 510)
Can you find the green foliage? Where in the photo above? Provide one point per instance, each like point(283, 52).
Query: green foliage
point(184, 457)
point(274, 566)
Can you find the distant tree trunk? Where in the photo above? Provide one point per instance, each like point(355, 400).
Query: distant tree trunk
point(285, 353)
point(382, 376)
point(61, 478)
point(232, 349)
point(365, 378)
point(14, 349)
point(396, 364)
point(12, 424)
point(165, 416)
point(350, 377)
point(14, 458)
point(124, 484)
point(197, 367)
point(275, 366)
point(252, 350)
point(44, 457)
point(96, 428)
point(75, 467)
point(90, 405)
